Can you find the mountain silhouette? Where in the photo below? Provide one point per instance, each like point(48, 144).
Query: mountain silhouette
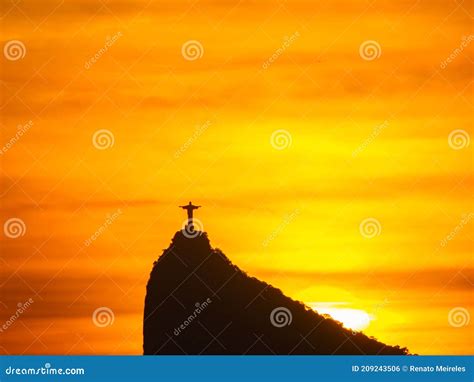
point(198, 302)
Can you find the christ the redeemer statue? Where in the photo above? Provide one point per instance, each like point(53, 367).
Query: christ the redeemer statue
point(190, 208)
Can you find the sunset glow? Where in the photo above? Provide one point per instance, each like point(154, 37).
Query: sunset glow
point(355, 319)
point(334, 168)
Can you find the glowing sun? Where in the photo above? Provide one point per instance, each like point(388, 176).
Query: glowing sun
point(355, 319)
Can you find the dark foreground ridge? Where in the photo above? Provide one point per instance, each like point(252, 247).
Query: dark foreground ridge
point(198, 302)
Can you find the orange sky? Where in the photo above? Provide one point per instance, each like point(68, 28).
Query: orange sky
point(369, 139)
